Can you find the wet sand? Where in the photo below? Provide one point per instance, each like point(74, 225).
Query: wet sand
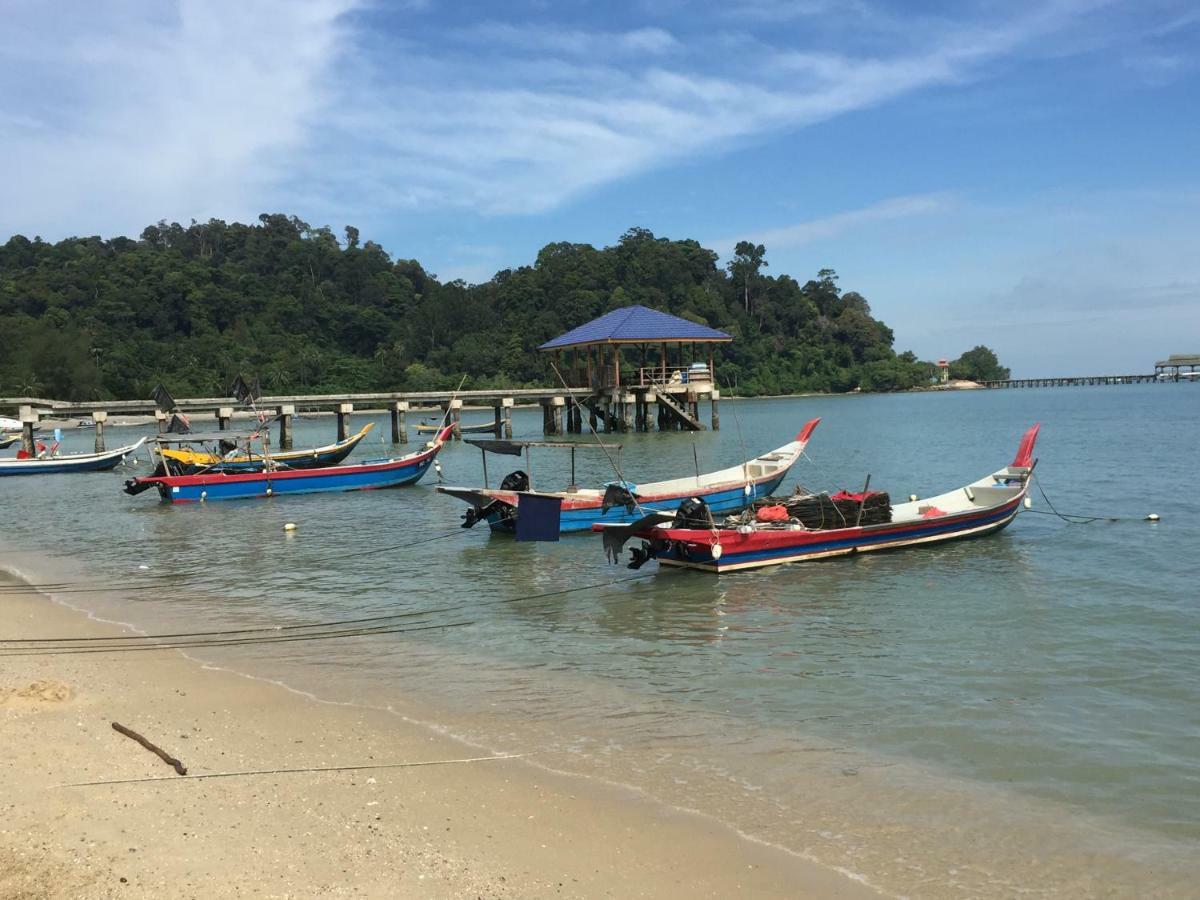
point(485, 828)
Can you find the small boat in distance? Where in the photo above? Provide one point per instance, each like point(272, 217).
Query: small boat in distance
point(727, 490)
point(463, 428)
point(51, 462)
point(194, 462)
point(691, 539)
point(371, 474)
point(7, 440)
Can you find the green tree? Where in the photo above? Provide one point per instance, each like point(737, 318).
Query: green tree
point(978, 364)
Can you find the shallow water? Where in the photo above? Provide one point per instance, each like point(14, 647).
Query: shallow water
point(1045, 676)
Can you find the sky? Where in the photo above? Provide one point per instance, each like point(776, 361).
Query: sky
point(1017, 174)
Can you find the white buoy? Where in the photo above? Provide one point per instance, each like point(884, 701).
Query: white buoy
point(1153, 517)
point(290, 526)
point(143, 567)
point(268, 492)
point(913, 498)
point(1028, 502)
point(716, 551)
point(204, 495)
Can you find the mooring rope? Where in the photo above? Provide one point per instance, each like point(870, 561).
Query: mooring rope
point(366, 626)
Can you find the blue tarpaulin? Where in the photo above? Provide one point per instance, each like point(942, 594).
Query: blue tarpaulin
point(538, 517)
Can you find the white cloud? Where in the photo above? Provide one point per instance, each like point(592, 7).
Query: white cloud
point(802, 233)
point(117, 113)
point(196, 112)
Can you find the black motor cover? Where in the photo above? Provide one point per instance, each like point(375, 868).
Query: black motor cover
point(515, 481)
point(693, 513)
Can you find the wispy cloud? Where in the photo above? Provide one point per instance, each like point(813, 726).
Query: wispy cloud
point(119, 113)
point(802, 233)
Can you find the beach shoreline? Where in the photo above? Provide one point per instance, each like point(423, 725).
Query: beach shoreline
point(491, 827)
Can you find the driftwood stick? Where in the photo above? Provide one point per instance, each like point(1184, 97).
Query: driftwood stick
point(179, 767)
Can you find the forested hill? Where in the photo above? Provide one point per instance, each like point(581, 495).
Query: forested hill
point(191, 307)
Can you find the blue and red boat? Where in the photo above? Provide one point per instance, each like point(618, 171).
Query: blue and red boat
point(692, 539)
point(727, 490)
point(51, 462)
point(372, 474)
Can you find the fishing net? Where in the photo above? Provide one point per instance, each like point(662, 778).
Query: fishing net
point(823, 510)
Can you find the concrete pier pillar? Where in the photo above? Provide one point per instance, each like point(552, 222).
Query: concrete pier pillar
point(456, 417)
point(557, 406)
point(399, 426)
point(287, 416)
point(29, 418)
point(99, 416)
point(343, 420)
point(716, 412)
point(163, 420)
point(627, 401)
point(506, 403)
point(224, 414)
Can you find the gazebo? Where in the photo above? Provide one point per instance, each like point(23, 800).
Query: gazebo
point(1171, 369)
point(668, 361)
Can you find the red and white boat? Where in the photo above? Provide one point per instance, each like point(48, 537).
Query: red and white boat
point(982, 507)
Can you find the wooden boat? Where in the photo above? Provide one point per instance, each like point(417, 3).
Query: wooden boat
point(727, 490)
point(54, 463)
point(982, 507)
point(463, 428)
point(194, 462)
point(371, 474)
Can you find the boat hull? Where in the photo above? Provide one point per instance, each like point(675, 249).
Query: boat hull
point(694, 549)
point(57, 465)
point(581, 515)
point(321, 457)
point(364, 476)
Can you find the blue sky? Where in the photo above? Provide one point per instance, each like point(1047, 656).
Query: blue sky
point(1023, 175)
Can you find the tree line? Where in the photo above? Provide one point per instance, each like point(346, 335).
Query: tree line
point(304, 312)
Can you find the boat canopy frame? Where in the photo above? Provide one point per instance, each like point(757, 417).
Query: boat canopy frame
point(514, 448)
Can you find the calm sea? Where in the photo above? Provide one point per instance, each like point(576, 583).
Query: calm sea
point(983, 717)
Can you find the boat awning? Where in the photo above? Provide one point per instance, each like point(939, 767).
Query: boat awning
point(514, 448)
point(206, 437)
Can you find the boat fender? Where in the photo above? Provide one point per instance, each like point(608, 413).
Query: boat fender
point(1029, 502)
point(204, 495)
point(716, 551)
point(269, 492)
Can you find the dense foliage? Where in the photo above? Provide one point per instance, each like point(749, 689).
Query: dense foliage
point(190, 307)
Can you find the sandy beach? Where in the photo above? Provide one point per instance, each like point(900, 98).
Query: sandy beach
point(446, 828)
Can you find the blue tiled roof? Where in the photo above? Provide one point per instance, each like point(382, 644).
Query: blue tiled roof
point(635, 324)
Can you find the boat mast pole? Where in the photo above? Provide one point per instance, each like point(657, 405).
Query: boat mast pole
point(862, 500)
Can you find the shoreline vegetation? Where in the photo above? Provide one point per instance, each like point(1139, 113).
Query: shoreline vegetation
point(455, 825)
point(305, 312)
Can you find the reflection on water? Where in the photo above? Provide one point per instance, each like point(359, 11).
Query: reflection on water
point(1057, 661)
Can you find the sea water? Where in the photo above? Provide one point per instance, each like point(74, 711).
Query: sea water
point(1018, 712)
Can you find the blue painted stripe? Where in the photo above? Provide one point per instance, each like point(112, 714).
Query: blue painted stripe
point(724, 501)
point(345, 480)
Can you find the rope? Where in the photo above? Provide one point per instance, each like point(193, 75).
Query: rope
point(1072, 518)
point(402, 765)
point(359, 627)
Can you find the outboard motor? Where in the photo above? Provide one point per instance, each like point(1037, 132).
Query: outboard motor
point(693, 513)
point(515, 481)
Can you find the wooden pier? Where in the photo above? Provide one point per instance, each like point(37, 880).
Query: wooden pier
point(623, 410)
point(1073, 381)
